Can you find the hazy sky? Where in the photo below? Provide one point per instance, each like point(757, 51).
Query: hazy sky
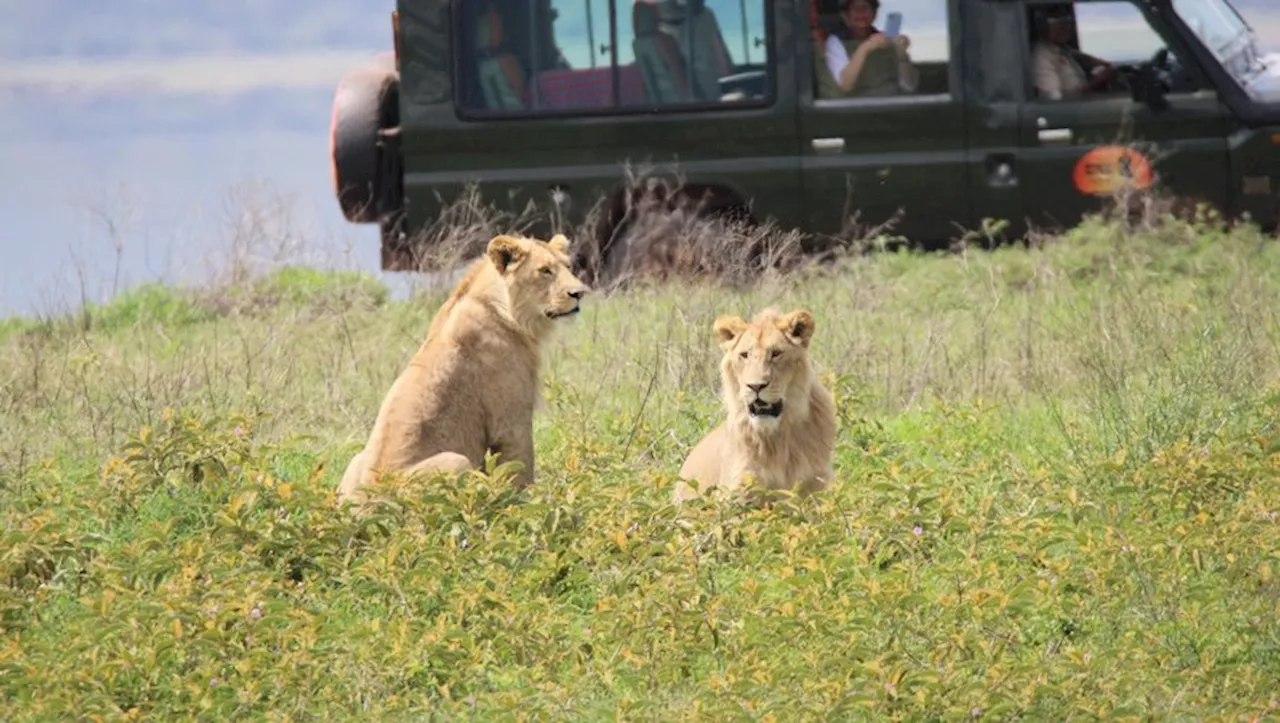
point(130, 135)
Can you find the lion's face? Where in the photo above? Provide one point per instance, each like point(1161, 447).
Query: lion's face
point(765, 368)
point(540, 284)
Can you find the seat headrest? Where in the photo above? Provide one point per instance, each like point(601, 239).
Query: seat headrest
point(489, 30)
point(1052, 12)
point(674, 12)
point(644, 18)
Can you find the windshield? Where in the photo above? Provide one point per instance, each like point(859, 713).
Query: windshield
point(1217, 24)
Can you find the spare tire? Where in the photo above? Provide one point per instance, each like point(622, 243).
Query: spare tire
point(365, 102)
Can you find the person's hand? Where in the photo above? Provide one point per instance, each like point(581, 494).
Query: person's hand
point(903, 42)
point(875, 42)
point(1102, 74)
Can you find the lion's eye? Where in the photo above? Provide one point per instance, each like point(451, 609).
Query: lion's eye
point(546, 271)
point(775, 353)
point(743, 355)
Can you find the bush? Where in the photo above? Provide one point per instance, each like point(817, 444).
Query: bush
point(1057, 498)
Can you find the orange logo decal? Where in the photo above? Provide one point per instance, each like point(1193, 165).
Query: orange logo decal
point(1107, 169)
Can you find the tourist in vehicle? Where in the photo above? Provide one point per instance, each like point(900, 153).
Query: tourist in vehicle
point(860, 61)
point(1056, 68)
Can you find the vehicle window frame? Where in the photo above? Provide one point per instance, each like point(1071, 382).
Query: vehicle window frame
point(1166, 34)
point(468, 114)
point(954, 76)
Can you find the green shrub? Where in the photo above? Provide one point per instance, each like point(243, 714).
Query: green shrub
point(152, 304)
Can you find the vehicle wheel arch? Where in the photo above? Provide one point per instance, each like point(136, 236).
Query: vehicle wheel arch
point(663, 193)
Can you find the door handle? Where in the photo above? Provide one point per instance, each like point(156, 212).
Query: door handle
point(1054, 135)
point(828, 145)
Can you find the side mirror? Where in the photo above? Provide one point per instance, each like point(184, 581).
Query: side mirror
point(1147, 89)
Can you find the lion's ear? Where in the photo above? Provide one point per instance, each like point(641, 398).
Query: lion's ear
point(798, 326)
point(560, 243)
point(504, 251)
point(728, 329)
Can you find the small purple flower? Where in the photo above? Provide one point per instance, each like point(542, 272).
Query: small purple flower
point(917, 530)
point(239, 431)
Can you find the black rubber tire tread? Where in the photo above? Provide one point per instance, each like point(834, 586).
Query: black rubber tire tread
point(359, 112)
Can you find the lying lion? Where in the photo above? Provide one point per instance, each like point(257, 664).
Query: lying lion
point(781, 425)
point(472, 385)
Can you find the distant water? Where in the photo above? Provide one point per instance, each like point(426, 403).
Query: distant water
point(170, 201)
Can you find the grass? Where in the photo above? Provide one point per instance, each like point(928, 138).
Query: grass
point(1057, 500)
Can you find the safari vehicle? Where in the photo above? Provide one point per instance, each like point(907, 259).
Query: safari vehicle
point(548, 100)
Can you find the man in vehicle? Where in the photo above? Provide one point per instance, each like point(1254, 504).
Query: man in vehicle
point(1056, 68)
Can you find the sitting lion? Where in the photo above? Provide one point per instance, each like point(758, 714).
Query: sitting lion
point(781, 425)
point(472, 385)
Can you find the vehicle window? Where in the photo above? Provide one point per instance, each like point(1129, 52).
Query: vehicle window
point(1093, 49)
point(1116, 32)
point(855, 59)
point(581, 29)
point(520, 57)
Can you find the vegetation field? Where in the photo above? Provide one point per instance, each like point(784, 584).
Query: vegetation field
point(1058, 499)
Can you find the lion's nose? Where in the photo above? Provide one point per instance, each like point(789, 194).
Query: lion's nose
point(757, 387)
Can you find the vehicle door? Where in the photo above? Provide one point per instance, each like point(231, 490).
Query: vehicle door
point(872, 159)
point(1075, 151)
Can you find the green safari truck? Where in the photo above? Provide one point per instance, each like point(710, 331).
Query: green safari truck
point(939, 113)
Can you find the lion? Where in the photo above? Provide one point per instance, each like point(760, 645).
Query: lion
point(472, 386)
point(781, 422)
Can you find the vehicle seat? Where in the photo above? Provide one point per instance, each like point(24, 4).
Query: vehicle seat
point(816, 31)
point(658, 55)
point(502, 77)
point(707, 53)
point(824, 21)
